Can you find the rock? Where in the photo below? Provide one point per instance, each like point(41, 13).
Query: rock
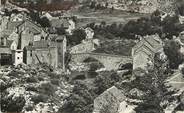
point(109, 101)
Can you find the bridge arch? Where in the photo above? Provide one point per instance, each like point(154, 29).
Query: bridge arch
point(93, 63)
point(124, 66)
point(110, 62)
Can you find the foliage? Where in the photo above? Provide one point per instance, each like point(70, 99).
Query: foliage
point(84, 93)
point(172, 50)
point(44, 22)
point(39, 83)
point(153, 85)
point(106, 80)
point(77, 36)
point(81, 99)
point(116, 48)
point(166, 28)
point(10, 104)
point(171, 26)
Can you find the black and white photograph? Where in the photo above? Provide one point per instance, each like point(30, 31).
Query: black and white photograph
point(91, 56)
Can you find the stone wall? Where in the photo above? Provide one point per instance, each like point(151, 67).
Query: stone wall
point(49, 56)
point(85, 47)
point(25, 39)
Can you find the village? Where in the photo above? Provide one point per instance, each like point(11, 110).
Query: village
point(53, 59)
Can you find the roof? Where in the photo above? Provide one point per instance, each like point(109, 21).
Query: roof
point(33, 27)
point(177, 81)
point(151, 43)
point(12, 25)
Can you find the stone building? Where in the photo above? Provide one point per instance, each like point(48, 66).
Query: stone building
point(87, 45)
point(144, 51)
point(15, 35)
point(6, 47)
point(49, 52)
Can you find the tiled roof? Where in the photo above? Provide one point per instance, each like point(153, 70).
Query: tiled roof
point(33, 27)
point(13, 25)
point(151, 43)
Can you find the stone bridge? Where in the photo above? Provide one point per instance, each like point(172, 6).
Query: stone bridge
point(110, 62)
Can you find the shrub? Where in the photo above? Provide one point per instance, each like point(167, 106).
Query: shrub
point(106, 80)
point(80, 100)
point(46, 88)
point(9, 104)
point(31, 88)
point(39, 98)
point(31, 79)
point(172, 50)
point(55, 81)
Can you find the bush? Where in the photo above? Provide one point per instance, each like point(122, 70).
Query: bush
point(106, 80)
point(9, 104)
point(46, 88)
point(31, 79)
point(55, 81)
point(39, 98)
point(54, 75)
point(31, 88)
point(172, 50)
point(80, 100)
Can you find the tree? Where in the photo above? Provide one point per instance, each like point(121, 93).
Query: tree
point(77, 36)
point(93, 5)
point(80, 100)
point(171, 26)
point(156, 17)
point(44, 22)
point(154, 91)
point(172, 50)
point(106, 80)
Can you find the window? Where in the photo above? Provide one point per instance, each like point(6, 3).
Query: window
point(2, 41)
point(31, 53)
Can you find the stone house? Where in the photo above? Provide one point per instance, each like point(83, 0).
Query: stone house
point(44, 51)
point(144, 51)
point(28, 32)
point(15, 35)
point(88, 44)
